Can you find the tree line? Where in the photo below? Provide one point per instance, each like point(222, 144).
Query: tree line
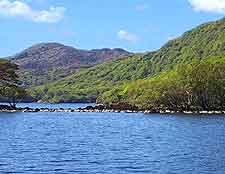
point(199, 85)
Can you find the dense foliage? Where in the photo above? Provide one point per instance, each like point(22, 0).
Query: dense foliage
point(9, 83)
point(7, 72)
point(86, 85)
point(200, 43)
point(196, 86)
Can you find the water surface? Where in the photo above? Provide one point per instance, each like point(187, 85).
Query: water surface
point(111, 143)
point(55, 106)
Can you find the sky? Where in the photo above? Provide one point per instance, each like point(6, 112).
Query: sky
point(135, 25)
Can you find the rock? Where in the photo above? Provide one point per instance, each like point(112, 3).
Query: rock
point(100, 107)
point(121, 106)
point(5, 107)
point(89, 108)
point(188, 112)
point(37, 110)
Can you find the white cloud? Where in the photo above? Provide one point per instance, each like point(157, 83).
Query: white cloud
point(216, 6)
point(125, 35)
point(21, 9)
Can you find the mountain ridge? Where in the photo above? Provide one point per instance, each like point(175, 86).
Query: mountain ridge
point(47, 62)
point(204, 41)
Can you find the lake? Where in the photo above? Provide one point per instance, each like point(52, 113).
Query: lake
point(111, 143)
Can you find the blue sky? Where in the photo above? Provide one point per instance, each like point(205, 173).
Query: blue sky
point(135, 25)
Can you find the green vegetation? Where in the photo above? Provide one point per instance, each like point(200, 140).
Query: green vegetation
point(200, 43)
point(196, 86)
point(7, 72)
point(86, 85)
point(32, 78)
point(9, 83)
point(47, 62)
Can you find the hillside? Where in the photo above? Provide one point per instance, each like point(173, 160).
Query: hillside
point(47, 62)
point(199, 85)
point(204, 41)
point(86, 85)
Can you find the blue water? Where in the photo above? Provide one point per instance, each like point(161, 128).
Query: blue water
point(111, 143)
point(55, 106)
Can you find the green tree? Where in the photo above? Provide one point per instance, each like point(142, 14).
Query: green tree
point(10, 89)
point(199, 85)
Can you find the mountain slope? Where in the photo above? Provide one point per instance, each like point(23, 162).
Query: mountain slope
point(199, 85)
point(86, 85)
point(47, 62)
point(200, 43)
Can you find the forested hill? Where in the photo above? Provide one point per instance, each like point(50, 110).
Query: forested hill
point(199, 43)
point(196, 86)
point(47, 62)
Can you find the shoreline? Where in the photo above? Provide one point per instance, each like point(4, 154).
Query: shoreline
point(92, 110)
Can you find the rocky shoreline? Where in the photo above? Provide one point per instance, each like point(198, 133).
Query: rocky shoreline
point(103, 109)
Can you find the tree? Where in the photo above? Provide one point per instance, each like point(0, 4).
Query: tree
point(13, 94)
point(199, 85)
point(10, 89)
point(8, 73)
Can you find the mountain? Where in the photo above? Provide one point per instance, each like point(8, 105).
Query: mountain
point(204, 41)
point(46, 62)
point(86, 85)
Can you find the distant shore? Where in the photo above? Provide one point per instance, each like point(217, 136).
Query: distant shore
point(101, 108)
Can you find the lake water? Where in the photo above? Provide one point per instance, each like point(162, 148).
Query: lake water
point(55, 106)
point(111, 143)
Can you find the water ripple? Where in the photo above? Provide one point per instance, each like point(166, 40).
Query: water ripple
point(109, 143)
